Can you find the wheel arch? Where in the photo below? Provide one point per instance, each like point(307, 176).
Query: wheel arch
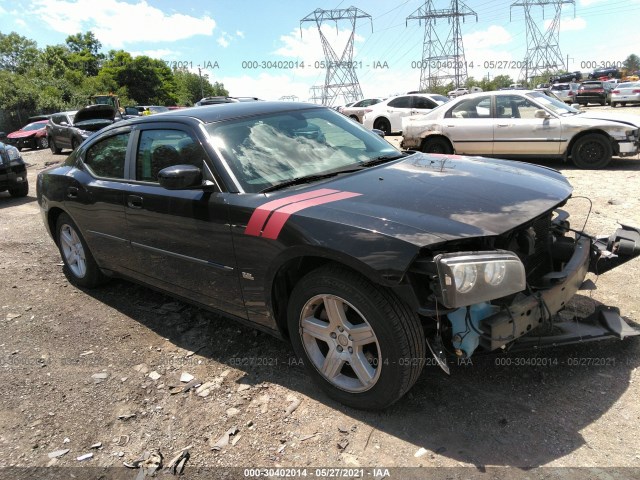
point(282, 280)
point(52, 219)
point(576, 137)
point(436, 135)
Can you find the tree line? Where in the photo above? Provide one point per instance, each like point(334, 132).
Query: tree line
point(62, 77)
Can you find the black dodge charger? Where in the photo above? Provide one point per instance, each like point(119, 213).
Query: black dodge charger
point(298, 221)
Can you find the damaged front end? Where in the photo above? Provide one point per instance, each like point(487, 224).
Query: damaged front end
point(505, 291)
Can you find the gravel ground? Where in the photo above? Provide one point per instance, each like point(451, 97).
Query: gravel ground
point(81, 368)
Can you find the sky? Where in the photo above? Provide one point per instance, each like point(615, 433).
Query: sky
point(260, 48)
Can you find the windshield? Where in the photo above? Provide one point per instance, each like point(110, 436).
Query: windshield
point(556, 106)
point(268, 150)
point(34, 126)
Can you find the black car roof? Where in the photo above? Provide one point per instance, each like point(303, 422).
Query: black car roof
point(225, 111)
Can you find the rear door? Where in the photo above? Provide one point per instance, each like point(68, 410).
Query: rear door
point(396, 109)
point(422, 105)
point(94, 198)
point(181, 239)
point(469, 126)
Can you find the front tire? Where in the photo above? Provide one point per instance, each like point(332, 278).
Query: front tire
point(382, 124)
point(21, 190)
point(42, 143)
point(436, 145)
point(359, 342)
point(591, 152)
point(79, 265)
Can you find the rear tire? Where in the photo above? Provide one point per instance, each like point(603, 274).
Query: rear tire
point(614, 104)
point(383, 124)
point(79, 265)
point(52, 145)
point(42, 143)
point(359, 342)
point(436, 145)
point(591, 152)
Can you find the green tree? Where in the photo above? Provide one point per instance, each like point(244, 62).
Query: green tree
point(191, 87)
point(17, 53)
point(632, 63)
point(84, 53)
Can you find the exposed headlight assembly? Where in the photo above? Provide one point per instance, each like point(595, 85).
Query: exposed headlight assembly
point(467, 278)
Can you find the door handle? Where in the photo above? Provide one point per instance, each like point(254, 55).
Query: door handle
point(134, 201)
point(503, 125)
point(72, 192)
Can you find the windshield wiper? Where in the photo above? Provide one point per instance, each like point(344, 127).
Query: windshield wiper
point(382, 159)
point(308, 179)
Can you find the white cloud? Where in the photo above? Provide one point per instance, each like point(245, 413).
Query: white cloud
point(491, 37)
point(2, 10)
point(223, 42)
point(239, 34)
point(19, 21)
point(160, 53)
point(569, 24)
point(117, 22)
point(308, 47)
point(266, 86)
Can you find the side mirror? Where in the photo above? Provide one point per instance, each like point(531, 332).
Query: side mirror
point(378, 132)
point(180, 177)
point(542, 114)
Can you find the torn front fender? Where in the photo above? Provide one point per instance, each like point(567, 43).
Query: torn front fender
point(610, 252)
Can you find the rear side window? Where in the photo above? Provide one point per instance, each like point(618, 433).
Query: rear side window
point(106, 158)
point(160, 149)
point(400, 102)
point(423, 102)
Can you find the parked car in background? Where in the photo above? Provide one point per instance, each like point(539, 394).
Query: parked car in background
point(33, 135)
point(568, 77)
point(13, 171)
point(370, 261)
point(357, 109)
point(387, 115)
point(522, 125)
point(70, 129)
point(605, 73)
point(221, 99)
point(594, 91)
point(624, 93)
point(566, 91)
point(137, 110)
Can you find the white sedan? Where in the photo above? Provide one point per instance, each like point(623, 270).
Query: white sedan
point(523, 124)
point(388, 114)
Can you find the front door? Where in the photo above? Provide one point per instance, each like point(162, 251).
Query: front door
point(469, 126)
point(181, 239)
point(518, 131)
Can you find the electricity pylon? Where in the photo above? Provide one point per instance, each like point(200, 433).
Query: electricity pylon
point(341, 78)
point(543, 48)
point(442, 62)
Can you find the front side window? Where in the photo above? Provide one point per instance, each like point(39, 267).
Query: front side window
point(424, 103)
point(160, 149)
point(515, 106)
point(107, 157)
point(267, 150)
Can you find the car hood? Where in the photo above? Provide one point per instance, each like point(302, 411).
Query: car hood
point(632, 120)
point(425, 199)
point(95, 112)
point(23, 133)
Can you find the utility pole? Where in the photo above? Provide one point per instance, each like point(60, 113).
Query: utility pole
point(440, 59)
point(543, 48)
point(340, 78)
point(201, 87)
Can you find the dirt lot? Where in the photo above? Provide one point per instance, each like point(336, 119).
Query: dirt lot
point(86, 367)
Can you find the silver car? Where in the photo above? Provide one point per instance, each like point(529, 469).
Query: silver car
point(565, 91)
point(356, 111)
point(523, 124)
point(624, 93)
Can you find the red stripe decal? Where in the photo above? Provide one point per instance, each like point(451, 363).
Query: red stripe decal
point(260, 214)
point(279, 217)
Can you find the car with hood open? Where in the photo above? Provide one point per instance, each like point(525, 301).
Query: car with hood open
point(523, 125)
point(294, 219)
point(70, 129)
